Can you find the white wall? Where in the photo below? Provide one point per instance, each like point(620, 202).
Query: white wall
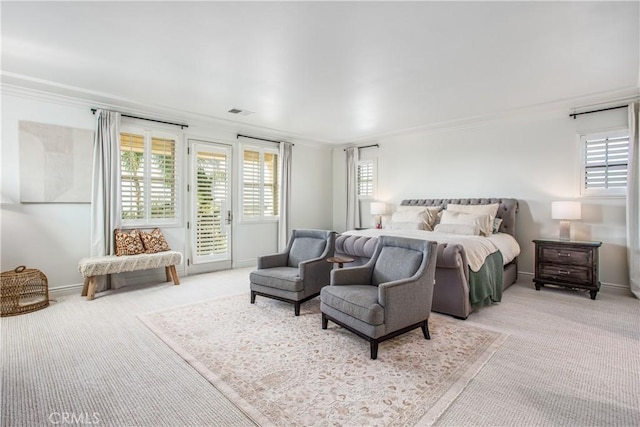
point(53, 237)
point(533, 159)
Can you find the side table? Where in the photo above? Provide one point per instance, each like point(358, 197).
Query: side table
point(572, 264)
point(340, 260)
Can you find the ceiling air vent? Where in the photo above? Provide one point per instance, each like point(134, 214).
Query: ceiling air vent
point(240, 112)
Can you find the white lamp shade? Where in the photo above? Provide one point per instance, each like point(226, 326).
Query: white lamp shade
point(378, 208)
point(566, 210)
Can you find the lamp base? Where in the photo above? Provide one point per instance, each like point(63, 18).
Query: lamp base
point(565, 230)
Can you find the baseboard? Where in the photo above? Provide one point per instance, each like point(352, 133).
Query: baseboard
point(133, 278)
point(607, 287)
point(244, 264)
point(617, 289)
point(61, 291)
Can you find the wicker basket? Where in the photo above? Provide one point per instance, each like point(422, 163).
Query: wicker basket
point(23, 290)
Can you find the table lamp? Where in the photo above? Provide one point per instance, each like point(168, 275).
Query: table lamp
point(378, 209)
point(565, 212)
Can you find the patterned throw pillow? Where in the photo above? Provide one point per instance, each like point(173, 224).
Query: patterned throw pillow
point(128, 243)
point(154, 241)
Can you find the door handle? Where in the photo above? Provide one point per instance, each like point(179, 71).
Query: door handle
point(229, 217)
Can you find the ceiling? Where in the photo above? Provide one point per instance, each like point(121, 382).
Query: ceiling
point(327, 71)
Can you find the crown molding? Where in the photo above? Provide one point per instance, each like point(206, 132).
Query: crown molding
point(44, 90)
point(39, 89)
point(554, 109)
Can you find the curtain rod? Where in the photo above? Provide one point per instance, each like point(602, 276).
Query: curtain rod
point(261, 139)
point(367, 146)
point(182, 126)
point(597, 111)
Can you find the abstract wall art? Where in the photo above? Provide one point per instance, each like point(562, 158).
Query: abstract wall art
point(55, 163)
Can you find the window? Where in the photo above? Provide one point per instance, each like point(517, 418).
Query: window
point(260, 183)
point(604, 166)
point(366, 178)
point(149, 171)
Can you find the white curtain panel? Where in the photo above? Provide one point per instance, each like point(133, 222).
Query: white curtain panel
point(105, 186)
point(284, 224)
point(353, 206)
point(633, 202)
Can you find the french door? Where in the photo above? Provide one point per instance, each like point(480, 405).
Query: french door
point(210, 221)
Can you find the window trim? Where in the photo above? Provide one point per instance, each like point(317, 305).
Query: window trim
point(149, 133)
point(262, 149)
point(615, 192)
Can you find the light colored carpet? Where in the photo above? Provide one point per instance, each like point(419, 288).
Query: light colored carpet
point(285, 370)
point(568, 361)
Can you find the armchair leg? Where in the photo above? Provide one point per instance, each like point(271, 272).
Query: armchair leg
point(296, 306)
point(253, 297)
point(325, 321)
point(425, 329)
point(374, 349)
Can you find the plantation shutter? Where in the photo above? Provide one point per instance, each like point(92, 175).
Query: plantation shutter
point(149, 175)
point(260, 183)
point(606, 161)
point(251, 184)
point(162, 191)
point(132, 176)
point(365, 178)
point(271, 184)
point(212, 183)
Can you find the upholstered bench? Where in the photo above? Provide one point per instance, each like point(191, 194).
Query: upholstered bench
point(92, 267)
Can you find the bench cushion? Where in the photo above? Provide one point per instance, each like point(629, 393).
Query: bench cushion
point(98, 266)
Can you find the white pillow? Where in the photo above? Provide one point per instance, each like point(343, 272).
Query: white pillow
point(419, 208)
point(411, 208)
point(491, 210)
point(484, 222)
point(418, 216)
point(406, 225)
point(466, 229)
point(427, 214)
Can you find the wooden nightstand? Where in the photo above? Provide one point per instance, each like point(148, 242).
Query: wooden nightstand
point(567, 263)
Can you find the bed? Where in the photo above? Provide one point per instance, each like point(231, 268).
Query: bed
point(472, 270)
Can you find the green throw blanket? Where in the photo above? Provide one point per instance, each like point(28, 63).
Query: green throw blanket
point(485, 286)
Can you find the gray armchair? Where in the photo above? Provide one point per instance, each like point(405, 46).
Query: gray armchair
point(386, 297)
point(299, 272)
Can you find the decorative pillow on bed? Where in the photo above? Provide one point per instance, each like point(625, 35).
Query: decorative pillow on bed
point(154, 242)
point(434, 209)
point(406, 225)
point(497, 222)
point(466, 229)
point(416, 217)
point(426, 214)
point(483, 222)
point(491, 210)
point(128, 242)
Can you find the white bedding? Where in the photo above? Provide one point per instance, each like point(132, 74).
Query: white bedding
point(477, 248)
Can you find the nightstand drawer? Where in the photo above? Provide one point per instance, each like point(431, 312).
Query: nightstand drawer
point(566, 273)
point(566, 256)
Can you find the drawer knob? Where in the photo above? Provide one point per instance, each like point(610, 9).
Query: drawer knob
point(563, 254)
point(564, 271)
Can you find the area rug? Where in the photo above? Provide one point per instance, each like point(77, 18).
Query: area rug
point(280, 369)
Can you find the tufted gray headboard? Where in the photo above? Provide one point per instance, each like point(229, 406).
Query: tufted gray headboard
point(507, 209)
